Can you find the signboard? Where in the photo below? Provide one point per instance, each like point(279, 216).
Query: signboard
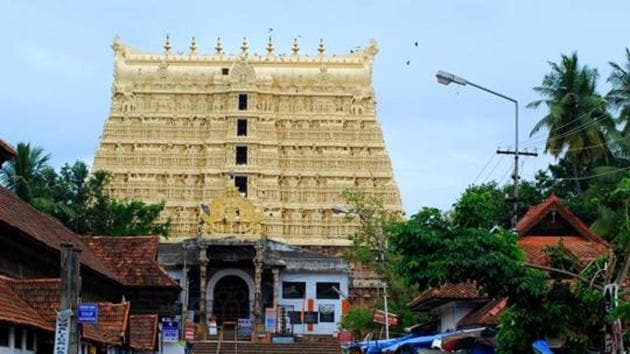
point(270, 320)
point(170, 330)
point(379, 317)
point(189, 333)
point(311, 317)
point(345, 337)
point(245, 326)
point(87, 313)
point(62, 332)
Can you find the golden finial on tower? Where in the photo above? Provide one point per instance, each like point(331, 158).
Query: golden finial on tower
point(269, 47)
point(116, 44)
point(219, 48)
point(167, 45)
point(296, 47)
point(321, 49)
point(244, 47)
point(193, 46)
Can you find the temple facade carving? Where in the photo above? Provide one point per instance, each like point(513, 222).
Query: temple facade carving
point(291, 132)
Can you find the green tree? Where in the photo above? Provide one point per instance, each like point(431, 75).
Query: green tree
point(77, 198)
point(437, 248)
point(577, 119)
point(371, 250)
point(23, 175)
point(619, 95)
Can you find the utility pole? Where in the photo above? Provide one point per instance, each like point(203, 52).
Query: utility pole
point(445, 78)
point(515, 175)
point(70, 285)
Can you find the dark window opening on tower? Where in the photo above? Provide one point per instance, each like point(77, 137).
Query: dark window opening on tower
point(241, 155)
point(241, 127)
point(225, 71)
point(241, 184)
point(242, 102)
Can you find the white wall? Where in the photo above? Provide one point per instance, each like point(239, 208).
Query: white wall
point(18, 348)
point(451, 313)
point(311, 280)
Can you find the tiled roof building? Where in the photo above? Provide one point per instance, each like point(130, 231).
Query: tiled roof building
point(549, 224)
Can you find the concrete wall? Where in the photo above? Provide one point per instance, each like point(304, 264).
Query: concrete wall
point(311, 280)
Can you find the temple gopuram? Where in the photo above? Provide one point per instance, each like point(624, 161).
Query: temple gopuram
point(250, 153)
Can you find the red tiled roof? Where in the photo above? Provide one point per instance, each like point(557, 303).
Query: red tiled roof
point(536, 213)
point(582, 249)
point(6, 152)
point(133, 259)
point(22, 217)
point(487, 315)
point(112, 323)
point(143, 332)
point(14, 309)
point(41, 294)
point(447, 292)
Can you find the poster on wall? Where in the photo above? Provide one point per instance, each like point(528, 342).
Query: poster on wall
point(270, 320)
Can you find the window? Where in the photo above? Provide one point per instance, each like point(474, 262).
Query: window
point(30, 340)
point(295, 317)
point(325, 291)
point(241, 184)
point(4, 335)
point(326, 313)
point(225, 71)
point(293, 290)
point(242, 102)
point(18, 338)
point(241, 155)
point(241, 127)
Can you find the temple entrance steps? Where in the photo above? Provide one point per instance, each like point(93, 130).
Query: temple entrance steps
point(303, 347)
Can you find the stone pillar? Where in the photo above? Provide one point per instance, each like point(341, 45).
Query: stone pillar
point(203, 274)
point(258, 269)
point(276, 287)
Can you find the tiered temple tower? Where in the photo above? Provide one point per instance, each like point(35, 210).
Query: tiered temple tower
point(291, 131)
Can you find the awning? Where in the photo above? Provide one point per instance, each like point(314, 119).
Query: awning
point(436, 340)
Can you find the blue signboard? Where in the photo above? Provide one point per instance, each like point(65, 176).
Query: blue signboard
point(170, 331)
point(87, 313)
point(245, 326)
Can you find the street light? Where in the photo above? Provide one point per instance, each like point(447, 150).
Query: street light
point(340, 209)
point(445, 78)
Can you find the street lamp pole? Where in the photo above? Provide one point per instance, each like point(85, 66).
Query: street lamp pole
point(445, 78)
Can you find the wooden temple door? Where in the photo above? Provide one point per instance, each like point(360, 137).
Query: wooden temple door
point(231, 299)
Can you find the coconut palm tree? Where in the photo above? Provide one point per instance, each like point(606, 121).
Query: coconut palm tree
point(23, 175)
point(577, 119)
point(619, 98)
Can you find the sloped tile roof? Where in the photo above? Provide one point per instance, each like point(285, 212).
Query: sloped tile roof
point(582, 249)
point(133, 259)
point(445, 293)
point(143, 332)
point(536, 213)
point(14, 309)
point(487, 315)
point(6, 152)
point(41, 294)
point(19, 215)
point(112, 322)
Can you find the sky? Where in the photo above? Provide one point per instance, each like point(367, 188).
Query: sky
point(56, 69)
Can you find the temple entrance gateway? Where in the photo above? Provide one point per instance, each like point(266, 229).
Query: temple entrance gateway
point(230, 295)
point(231, 299)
